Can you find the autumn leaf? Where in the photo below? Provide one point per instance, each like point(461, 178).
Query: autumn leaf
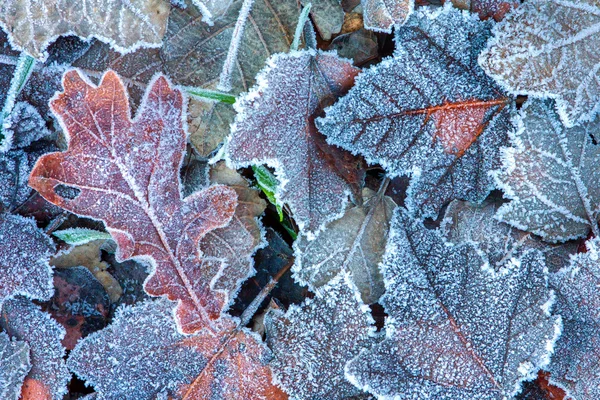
point(33, 24)
point(212, 9)
point(435, 116)
point(496, 9)
point(15, 364)
point(456, 328)
point(275, 126)
point(126, 173)
point(548, 49)
point(328, 16)
point(382, 15)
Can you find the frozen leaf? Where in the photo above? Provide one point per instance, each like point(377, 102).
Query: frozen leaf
point(550, 175)
point(48, 377)
point(79, 236)
point(430, 112)
point(126, 173)
point(354, 243)
point(275, 126)
point(574, 364)
point(327, 15)
point(360, 46)
point(33, 24)
point(381, 15)
point(496, 9)
point(212, 9)
point(14, 170)
point(14, 366)
point(24, 254)
point(313, 342)
point(25, 125)
point(115, 360)
point(497, 242)
point(549, 49)
point(456, 328)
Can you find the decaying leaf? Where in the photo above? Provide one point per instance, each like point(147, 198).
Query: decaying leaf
point(33, 24)
point(382, 15)
point(211, 9)
point(275, 126)
point(24, 254)
point(14, 366)
point(550, 175)
point(181, 366)
point(126, 173)
point(48, 377)
point(360, 46)
point(548, 48)
point(429, 112)
point(496, 9)
point(354, 243)
point(456, 328)
point(328, 16)
point(312, 343)
point(574, 364)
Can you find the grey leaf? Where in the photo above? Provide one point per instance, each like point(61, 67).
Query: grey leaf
point(14, 366)
point(327, 15)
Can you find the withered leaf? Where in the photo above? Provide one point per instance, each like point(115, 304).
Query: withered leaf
point(211, 9)
point(496, 9)
point(14, 366)
point(382, 15)
point(126, 173)
point(429, 112)
point(456, 328)
point(33, 24)
point(328, 16)
point(275, 126)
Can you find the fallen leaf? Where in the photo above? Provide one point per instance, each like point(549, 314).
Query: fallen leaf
point(126, 173)
point(360, 46)
point(496, 9)
point(14, 366)
point(327, 15)
point(211, 9)
point(435, 116)
point(382, 15)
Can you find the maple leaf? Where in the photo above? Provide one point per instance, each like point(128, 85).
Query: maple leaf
point(126, 173)
point(181, 366)
point(382, 15)
point(14, 366)
point(313, 342)
point(574, 364)
point(275, 126)
point(435, 116)
point(456, 328)
point(24, 256)
point(550, 175)
point(548, 49)
point(354, 243)
point(33, 24)
point(48, 377)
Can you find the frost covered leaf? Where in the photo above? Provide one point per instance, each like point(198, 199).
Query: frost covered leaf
point(33, 24)
point(275, 126)
point(313, 342)
point(126, 173)
point(14, 366)
point(327, 15)
point(25, 125)
point(79, 236)
point(574, 364)
point(212, 9)
point(182, 366)
point(435, 116)
point(359, 46)
point(456, 329)
point(24, 254)
point(496, 9)
point(381, 15)
point(551, 176)
point(354, 243)
point(549, 49)
point(48, 377)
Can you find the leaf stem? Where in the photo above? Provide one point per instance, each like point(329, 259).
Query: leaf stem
point(300, 27)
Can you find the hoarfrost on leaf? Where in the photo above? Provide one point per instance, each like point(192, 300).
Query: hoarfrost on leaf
point(14, 366)
point(456, 330)
point(382, 15)
point(25, 125)
point(212, 9)
point(549, 48)
point(313, 342)
point(430, 112)
point(275, 126)
point(550, 174)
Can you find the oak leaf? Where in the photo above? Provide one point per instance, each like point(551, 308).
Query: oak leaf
point(126, 173)
point(15, 364)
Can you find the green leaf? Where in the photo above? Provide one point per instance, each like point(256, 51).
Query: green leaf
point(300, 27)
point(79, 236)
point(211, 95)
point(268, 184)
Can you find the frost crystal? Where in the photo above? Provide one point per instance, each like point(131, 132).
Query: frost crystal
point(313, 342)
point(456, 330)
point(430, 111)
point(550, 173)
point(549, 48)
point(14, 366)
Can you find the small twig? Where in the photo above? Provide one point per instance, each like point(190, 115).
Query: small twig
point(56, 223)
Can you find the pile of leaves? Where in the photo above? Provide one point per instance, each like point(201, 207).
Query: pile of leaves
point(255, 199)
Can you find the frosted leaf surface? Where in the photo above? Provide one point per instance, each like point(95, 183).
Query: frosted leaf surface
point(14, 170)
point(179, 364)
point(25, 124)
point(25, 321)
point(497, 242)
point(126, 173)
point(496, 9)
point(212, 9)
point(550, 173)
point(14, 366)
point(457, 330)
point(574, 364)
point(549, 48)
point(275, 126)
point(354, 243)
point(382, 15)
point(313, 342)
point(328, 16)
point(33, 24)
point(24, 254)
point(429, 112)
